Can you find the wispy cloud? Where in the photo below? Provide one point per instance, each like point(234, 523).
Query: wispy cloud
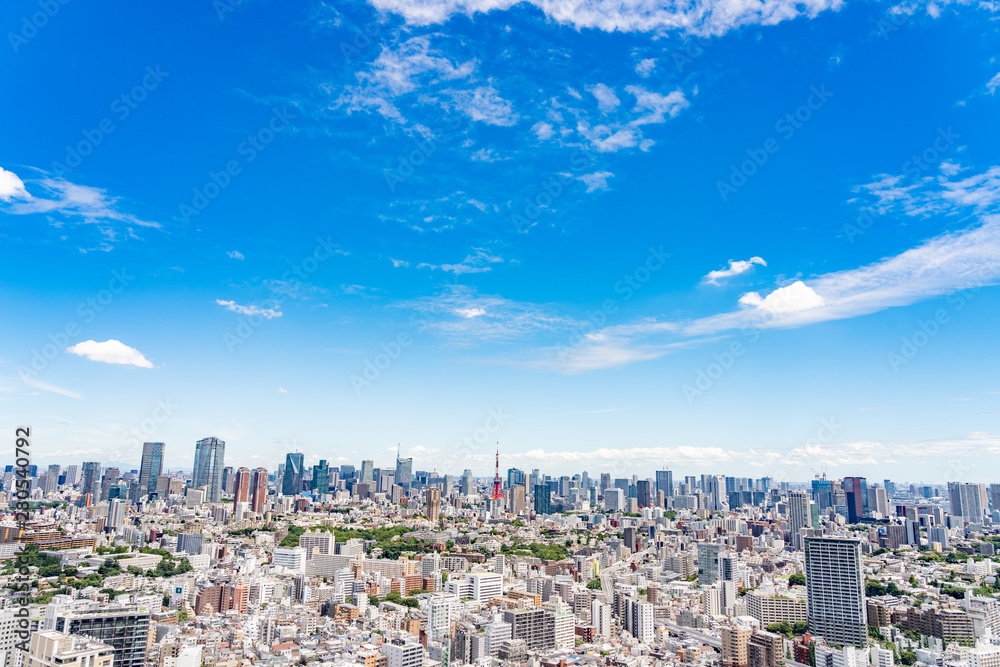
point(64, 202)
point(704, 18)
point(736, 267)
point(467, 317)
point(943, 265)
point(478, 261)
point(235, 254)
point(266, 313)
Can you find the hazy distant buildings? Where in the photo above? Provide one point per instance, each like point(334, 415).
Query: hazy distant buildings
point(209, 460)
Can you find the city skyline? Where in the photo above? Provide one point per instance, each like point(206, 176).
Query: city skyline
point(681, 236)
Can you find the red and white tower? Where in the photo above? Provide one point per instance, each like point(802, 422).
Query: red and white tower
point(497, 484)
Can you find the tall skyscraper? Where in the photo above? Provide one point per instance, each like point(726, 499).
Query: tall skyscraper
point(835, 590)
point(258, 490)
point(227, 479)
point(209, 460)
point(856, 491)
point(665, 482)
point(799, 516)
point(52, 479)
point(404, 471)
point(968, 501)
point(321, 478)
point(543, 499)
point(151, 467)
point(466, 488)
point(241, 487)
point(92, 480)
point(367, 472)
point(109, 479)
point(708, 563)
point(433, 498)
point(291, 482)
point(644, 493)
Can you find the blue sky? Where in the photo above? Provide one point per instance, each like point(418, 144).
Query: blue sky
point(749, 239)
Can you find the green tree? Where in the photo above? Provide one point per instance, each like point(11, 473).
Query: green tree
point(797, 579)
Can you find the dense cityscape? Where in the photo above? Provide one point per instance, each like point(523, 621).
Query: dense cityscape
point(228, 566)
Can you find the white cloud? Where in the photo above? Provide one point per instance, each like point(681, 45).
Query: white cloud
point(596, 181)
point(946, 264)
point(72, 202)
point(396, 263)
point(411, 66)
point(235, 254)
point(645, 67)
point(608, 139)
point(282, 390)
point(607, 101)
point(478, 261)
point(927, 195)
point(784, 300)
point(484, 105)
point(993, 84)
point(11, 187)
point(110, 352)
point(469, 317)
point(655, 107)
point(702, 18)
point(266, 313)
point(543, 130)
point(736, 267)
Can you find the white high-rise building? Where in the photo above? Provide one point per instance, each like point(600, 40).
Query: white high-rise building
point(798, 516)
point(600, 618)
point(292, 558)
point(639, 620)
point(403, 655)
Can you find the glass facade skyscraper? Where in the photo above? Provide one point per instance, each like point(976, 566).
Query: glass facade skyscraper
point(209, 460)
point(291, 480)
point(151, 467)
